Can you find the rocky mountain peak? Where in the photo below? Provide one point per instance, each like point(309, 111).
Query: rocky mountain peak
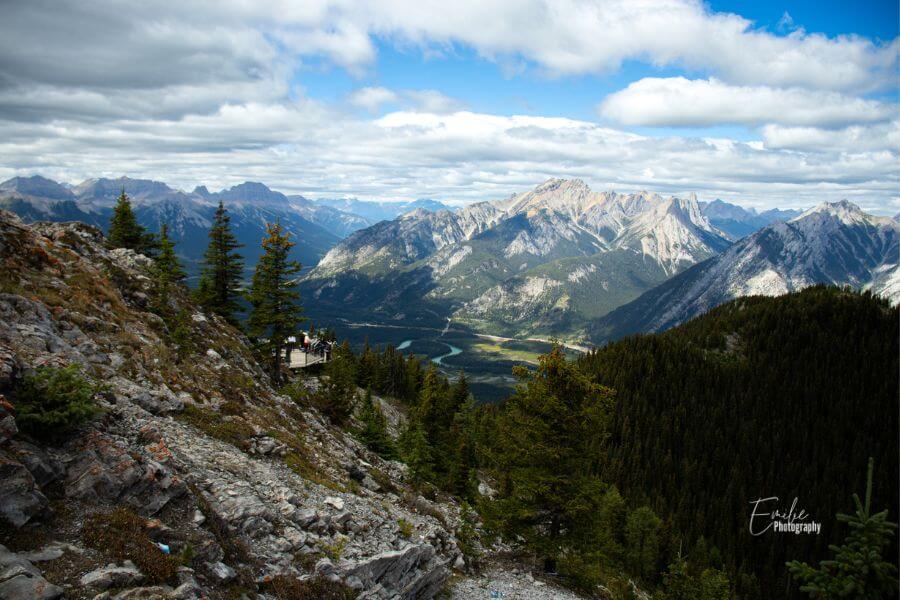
point(36, 186)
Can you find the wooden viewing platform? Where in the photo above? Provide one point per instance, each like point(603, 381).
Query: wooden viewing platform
point(306, 351)
point(300, 359)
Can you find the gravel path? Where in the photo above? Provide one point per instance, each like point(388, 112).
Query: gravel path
point(508, 585)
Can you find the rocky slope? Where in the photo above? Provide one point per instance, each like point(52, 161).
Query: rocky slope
point(833, 243)
point(543, 261)
point(248, 490)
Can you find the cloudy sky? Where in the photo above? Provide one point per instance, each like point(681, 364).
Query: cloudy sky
point(764, 103)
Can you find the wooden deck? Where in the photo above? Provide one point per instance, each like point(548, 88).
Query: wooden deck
point(301, 360)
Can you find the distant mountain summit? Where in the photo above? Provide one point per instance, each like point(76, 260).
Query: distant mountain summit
point(542, 261)
point(738, 222)
point(832, 243)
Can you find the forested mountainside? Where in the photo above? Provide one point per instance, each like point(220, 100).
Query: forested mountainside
point(760, 397)
point(833, 243)
point(544, 261)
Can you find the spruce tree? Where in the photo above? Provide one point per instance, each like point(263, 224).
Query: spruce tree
point(417, 453)
point(642, 539)
point(166, 272)
point(337, 394)
point(858, 569)
point(220, 279)
point(275, 311)
point(373, 432)
point(125, 231)
point(543, 455)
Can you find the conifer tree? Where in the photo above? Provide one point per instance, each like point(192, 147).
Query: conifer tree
point(337, 394)
point(373, 432)
point(642, 539)
point(125, 231)
point(220, 280)
point(417, 453)
point(166, 272)
point(858, 569)
point(275, 311)
point(543, 456)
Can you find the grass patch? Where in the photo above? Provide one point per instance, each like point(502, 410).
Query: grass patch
point(235, 430)
point(285, 587)
point(334, 550)
point(306, 469)
point(122, 535)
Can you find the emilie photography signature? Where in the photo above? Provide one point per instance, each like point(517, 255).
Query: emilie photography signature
point(767, 515)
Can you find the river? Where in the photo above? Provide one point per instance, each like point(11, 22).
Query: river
point(453, 352)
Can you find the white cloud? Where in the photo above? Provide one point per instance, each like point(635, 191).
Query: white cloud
point(676, 101)
point(372, 98)
point(309, 148)
point(882, 137)
point(195, 92)
point(432, 101)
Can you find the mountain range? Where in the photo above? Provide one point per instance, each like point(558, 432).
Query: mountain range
point(565, 260)
point(316, 226)
point(832, 243)
point(560, 259)
point(738, 222)
point(544, 261)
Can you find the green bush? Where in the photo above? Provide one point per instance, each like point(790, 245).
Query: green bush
point(54, 401)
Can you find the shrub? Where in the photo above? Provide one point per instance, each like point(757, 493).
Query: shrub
point(285, 587)
point(406, 528)
point(121, 535)
point(54, 401)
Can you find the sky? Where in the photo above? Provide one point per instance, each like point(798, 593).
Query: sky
point(765, 104)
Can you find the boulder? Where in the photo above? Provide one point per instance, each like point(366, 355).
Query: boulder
point(222, 572)
point(21, 579)
point(410, 572)
point(22, 499)
point(113, 576)
point(335, 502)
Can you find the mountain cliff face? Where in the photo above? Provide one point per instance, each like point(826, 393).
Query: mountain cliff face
point(193, 450)
point(542, 261)
point(834, 243)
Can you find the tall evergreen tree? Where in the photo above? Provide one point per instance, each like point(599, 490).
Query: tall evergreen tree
point(373, 432)
point(858, 569)
point(417, 453)
point(124, 229)
point(274, 301)
point(337, 393)
point(166, 271)
point(544, 456)
point(220, 280)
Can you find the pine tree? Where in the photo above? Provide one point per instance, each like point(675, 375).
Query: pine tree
point(417, 453)
point(858, 569)
point(373, 432)
point(275, 312)
point(125, 231)
point(220, 280)
point(642, 540)
point(337, 394)
point(166, 272)
point(543, 456)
